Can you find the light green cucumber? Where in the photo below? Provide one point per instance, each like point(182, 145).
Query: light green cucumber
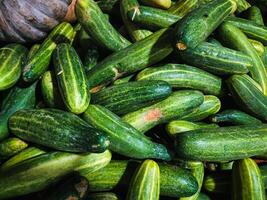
point(11, 146)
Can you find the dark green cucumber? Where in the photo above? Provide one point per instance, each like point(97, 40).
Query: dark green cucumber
point(128, 97)
point(91, 58)
point(123, 137)
point(50, 91)
point(217, 59)
point(248, 96)
point(203, 196)
point(214, 41)
point(98, 27)
point(38, 173)
point(131, 59)
point(222, 144)
point(103, 196)
point(235, 117)
point(145, 183)
point(74, 187)
point(12, 57)
point(17, 98)
point(183, 76)
point(254, 14)
point(177, 105)
point(39, 63)
point(247, 181)
point(33, 50)
point(181, 8)
point(258, 46)
point(174, 181)
point(10, 147)
point(210, 106)
point(57, 129)
point(163, 4)
point(71, 79)
point(195, 27)
point(125, 79)
point(234, 38)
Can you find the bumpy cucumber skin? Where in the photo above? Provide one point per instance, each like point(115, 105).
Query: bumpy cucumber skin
point(11, 146)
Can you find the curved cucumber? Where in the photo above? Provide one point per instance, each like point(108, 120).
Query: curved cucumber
point(11, 146)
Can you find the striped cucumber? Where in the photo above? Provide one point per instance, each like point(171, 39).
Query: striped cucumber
point(33, 51)
point(247, 181)
point(128, 97)
point(195, 27)
point(254, 14)
point(248, 96)
point(98, 27)
point(103, 196)
point(235, 117)
point(181, 8)
point(163, 4)
point(183, 76)
point(11, 146)
point(58, 130)
point(131, 59)
point(217, 59)
point(222, 144)
point(145, 183)
point(258, 46)
point(12, 57)
point(71, 79)
point(123, 137)
point(39, 63)
point(38, 173)
point(177, 105)
point(210, 106)
point(16, 99)
point(174, 181)
point(233, 37)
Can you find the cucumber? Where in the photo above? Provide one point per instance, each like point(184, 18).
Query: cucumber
point(128, 97)
point(23, 155)
point(50, 91)
point(126, 79)
point(174, 181)
point(235, 117)
point(145, 183)
point(39, 63)
point(124, 137)
point(203, 196)
point(195, 27)
point(12, 57)
point(11, 146)
point(222, 144)
point(242, 5)
point(58, 130)
point(33, 51)
point(175, 106)
point(258, 46)
point(214, 41)
point(16, 99)
point(74, 187)
point(248, 96)
point(98, 27)
point(71, 79)
point(246, 180)
point(254, 14)
point(108, 6)
point(103, 196)
point(210, 106)
point(217, 59)
point(163, 4)
point(131, 59)
point(181, 8)
point(38, 173)
point(91, 58)
point(183, 76)
point(233, 37)
point(134, 31)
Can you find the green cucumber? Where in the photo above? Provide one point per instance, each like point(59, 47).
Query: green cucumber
point(222, 144)
point(50, 91)
point(174, 181)
point(103, 196)
point(12, 57)
point(181, 8)
point(91, 58)
point(163, 4)
point(98, 27)
point(217, 59)
point(210, 106)
point(128, 97)
point(242, 5)
point(17, 98)
point(183, 76)
point(248, 96)
point(254, 14)
point(246, 181)
point(258, 46)
point(71, 79)
point(214, 41)
point(23, 155)
point(123, 137)
point(39, 63)
point(131, 59)
point(233, 37)
point(203, 196)
point(195, 27)
point(58, 130)
point(11, 146)
point(235, 117)
point(108, 6)
point(125, 79)
point(38, 173)
point(177, 105)
point(33, 51)
point(145, 183)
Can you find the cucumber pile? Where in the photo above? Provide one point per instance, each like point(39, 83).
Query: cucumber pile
point(138, 100)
